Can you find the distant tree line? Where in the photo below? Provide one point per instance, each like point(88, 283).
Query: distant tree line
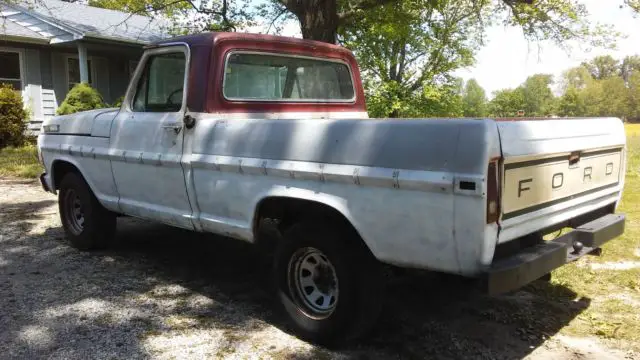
point(603, 86)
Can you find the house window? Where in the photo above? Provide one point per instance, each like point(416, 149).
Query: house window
point(73, 72)
point(10, 69)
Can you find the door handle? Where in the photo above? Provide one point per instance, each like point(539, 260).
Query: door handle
point(173, 126)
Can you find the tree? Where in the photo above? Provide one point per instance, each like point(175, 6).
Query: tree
point(474, 100)
point(323, 20)
point(507, 103)
point(602, 67)
point(409, 54)
point(629, 65)
point(577, 78)
point(633, 4)
point(188, 16)
point(615, 99)
point(571, 103)
point(538, 97)
point(634, 96)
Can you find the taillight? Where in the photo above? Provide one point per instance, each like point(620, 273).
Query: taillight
point(493, 193)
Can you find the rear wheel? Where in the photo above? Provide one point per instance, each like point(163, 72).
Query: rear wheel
point(86, 223)
point(329, 286)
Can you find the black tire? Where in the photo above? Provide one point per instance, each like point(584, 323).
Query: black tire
point(87, 224)
point(360, 284)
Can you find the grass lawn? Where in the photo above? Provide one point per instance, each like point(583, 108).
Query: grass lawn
point(20, 162)
point(612, 281)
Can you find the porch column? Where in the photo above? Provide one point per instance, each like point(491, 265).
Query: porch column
point(82, 60)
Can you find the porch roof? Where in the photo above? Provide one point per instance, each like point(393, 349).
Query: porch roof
point(54, 21)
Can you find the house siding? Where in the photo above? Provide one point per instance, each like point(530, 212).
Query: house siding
point(101, 66)
point(58, 75)
point(45, 69)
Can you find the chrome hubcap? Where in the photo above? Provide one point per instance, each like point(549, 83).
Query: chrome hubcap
point(313, 281)
point(74, 212)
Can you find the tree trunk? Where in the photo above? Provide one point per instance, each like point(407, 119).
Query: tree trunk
point(319, 19)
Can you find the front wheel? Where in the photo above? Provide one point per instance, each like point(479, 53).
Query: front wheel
point(86, 223)
point(329, 285)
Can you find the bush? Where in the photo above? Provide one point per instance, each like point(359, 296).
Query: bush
point(81, 97)
point(13, 117)
point(118, 102)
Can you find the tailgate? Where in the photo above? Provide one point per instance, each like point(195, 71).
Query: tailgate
point(556, 169)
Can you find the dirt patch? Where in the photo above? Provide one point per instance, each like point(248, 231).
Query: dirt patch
point(160, 292)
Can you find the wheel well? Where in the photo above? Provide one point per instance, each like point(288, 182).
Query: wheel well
point(275, 214)
point(60, 168)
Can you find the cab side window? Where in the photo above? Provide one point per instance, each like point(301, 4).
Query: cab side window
point(160, 88)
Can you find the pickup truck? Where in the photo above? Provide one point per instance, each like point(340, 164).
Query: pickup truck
point(267, 140)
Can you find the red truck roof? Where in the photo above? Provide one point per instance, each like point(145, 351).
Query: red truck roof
point(208, 51)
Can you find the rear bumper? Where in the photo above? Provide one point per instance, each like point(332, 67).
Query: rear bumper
point(533, 262)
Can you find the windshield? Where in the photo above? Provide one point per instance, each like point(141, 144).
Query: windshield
point(269, 77)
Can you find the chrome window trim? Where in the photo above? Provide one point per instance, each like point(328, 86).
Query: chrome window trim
point(238, 99)
point(173, 47)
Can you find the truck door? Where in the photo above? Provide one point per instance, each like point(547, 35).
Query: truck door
point(147, 137)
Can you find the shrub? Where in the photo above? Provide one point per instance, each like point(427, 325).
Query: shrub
point(81, 97)
point(118, 102)
point(13, 117)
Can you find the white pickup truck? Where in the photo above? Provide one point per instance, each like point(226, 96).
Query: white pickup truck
point(266, 139)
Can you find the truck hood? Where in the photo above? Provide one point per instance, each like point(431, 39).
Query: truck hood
point(82, 123)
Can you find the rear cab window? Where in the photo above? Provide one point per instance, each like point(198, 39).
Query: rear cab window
point(250, 76)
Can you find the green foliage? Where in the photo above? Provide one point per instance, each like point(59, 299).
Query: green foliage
point(81, 97)
point(408, 55)
point(474, 100)
point(629, 65)
point(556, 20)
point(188, 16)
point(389, 99)
point(537, 95)
point(602, 67)
point(571, 103)
point(634, 96)
point(12, 117)
point(534, 97)
point(507, 103)
point(633, 4)
point(20, 161)
point(577, 77)
point(598, 88)
point(614, 100)
point(118, 102)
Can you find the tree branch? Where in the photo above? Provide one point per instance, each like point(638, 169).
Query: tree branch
point(361, 5)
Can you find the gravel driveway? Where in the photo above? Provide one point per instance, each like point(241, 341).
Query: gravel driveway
point(159, 292)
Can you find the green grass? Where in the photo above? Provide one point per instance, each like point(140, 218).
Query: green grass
point(614, 312)
point(20, 162)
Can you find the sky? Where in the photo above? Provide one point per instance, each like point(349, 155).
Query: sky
point(507, 59)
